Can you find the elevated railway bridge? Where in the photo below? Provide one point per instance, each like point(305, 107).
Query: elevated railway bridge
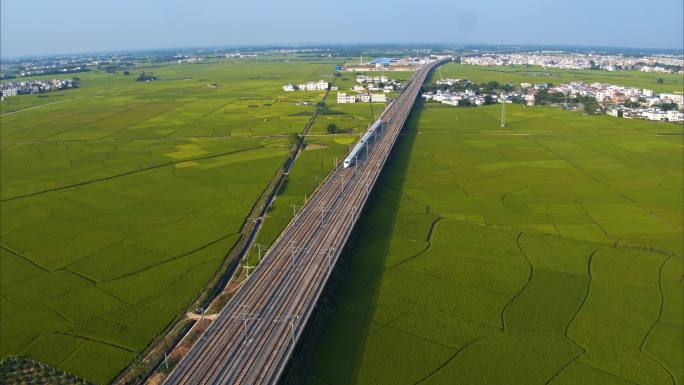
point(254, 335)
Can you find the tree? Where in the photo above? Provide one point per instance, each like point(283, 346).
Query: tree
point(127, 73)
point(488, 100)
point(507, 87)
point(145, 77)
point(332, 128)
point(669, 106)
point(660, 81)
point(591, 106)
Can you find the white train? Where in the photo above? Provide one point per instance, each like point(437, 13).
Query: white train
point(357, 152)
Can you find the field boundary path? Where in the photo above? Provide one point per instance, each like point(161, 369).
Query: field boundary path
point(254, 335)
point(34, 107)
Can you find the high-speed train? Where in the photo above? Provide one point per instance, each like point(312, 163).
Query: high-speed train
point(357, 152)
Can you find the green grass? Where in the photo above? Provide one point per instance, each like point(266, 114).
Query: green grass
point(120, 203)
point(538, 253)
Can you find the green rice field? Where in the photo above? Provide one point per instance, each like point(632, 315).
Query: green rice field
point(546, 252)
point(549, 251)
point(121, 199)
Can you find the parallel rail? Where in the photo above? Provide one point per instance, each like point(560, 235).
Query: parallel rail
point(254, 336)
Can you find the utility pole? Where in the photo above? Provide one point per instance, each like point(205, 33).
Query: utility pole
point(259, 251)
point(293, 253)
point(329, 255)
point(247, 266)
point(290, 319)
point(244, 316)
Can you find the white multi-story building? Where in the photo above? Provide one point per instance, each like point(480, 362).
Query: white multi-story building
point(378, 98)
point(675, 116)
point(675, 98)
point(9, 92)
point(322, 85)
point(654, 114)
point(343, 98)
point(371, 79)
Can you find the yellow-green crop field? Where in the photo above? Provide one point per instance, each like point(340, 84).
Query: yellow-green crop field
point(121, 200)
point(546, 252)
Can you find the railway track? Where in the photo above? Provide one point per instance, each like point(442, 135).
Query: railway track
point(254, 335)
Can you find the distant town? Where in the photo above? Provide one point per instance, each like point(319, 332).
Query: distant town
point(611, 99)
point(562, 60)
point(14, 88)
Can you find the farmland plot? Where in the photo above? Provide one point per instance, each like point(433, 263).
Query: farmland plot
point(546, 252)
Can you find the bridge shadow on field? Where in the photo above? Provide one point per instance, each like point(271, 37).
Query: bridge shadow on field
point(331, 349)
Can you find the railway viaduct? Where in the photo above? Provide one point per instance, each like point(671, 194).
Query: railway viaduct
point(254, 335)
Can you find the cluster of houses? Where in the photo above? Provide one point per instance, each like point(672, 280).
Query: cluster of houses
point(37, 70)
point(657, 114)
point(239, 55)
point(35, 86)
point(563, 60)
point(627, 102)
point(472, 97)
point(320, 85)
point(375, 83)
point(189, 59)
point(609, 93)
point(367, 84)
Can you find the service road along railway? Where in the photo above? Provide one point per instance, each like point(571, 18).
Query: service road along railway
point(254, 335)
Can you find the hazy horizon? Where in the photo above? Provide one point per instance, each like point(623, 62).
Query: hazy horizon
point(78, 26)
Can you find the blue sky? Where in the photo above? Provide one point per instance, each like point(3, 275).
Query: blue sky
point(72, 26)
